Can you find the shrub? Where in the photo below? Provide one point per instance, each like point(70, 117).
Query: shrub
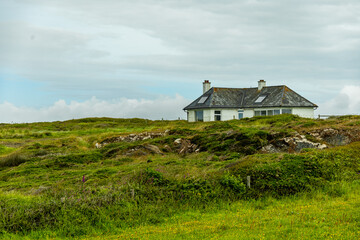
point(154, 177)
point(234, 183)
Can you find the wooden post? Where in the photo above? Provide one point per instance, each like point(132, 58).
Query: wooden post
point(248, 181)
point(132, 193)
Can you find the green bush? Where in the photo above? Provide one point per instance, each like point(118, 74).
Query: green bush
point(234, 183)
point(154, 177)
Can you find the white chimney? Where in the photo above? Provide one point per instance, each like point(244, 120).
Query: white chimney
point(206, 86)
point(261, 84)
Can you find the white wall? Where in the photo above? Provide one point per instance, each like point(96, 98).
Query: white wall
point(248, 113)
point(191, 116)
point(207, 115)
point(304, 112)
point(226, 114)
point(229, 114)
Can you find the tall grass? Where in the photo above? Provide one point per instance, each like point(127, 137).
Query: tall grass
point(13, 160)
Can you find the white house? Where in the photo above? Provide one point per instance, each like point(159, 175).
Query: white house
point(221, 104)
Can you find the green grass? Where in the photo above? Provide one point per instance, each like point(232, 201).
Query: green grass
point(309, 215)
point(55, 184)
point(5, 150)
point(301, 217)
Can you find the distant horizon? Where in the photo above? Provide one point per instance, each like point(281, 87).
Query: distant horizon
point(316, 117)
point(66, 59)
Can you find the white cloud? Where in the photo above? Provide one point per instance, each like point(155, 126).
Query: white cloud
point(168, 108)
point(346, 102)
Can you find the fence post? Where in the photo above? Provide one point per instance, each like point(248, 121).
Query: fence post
point(248, 181)
point(132, 193)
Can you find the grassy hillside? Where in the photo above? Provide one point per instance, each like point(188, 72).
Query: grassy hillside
point(134, 178)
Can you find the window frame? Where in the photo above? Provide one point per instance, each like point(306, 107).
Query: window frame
point(240, 111)
point(260, 98)
point(203, 99)
point(272, 112)
point(287, 111)
point(217, 115)
point(197, 119)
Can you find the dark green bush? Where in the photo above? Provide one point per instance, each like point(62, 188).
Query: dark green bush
point(154, 177)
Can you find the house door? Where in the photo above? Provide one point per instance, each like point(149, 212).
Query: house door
point(240, 114)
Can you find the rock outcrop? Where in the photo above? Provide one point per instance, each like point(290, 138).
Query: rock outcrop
point(320, 139)
point(292, 144)
point(132, 138)
point(184, 146)
point(336, 137)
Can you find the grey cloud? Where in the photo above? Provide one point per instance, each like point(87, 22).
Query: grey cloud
point(312, 46)
point(346, 101)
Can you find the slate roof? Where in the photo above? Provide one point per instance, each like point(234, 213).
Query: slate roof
point(275, 96)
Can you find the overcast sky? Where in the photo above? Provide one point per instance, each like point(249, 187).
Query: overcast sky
point(64, 59)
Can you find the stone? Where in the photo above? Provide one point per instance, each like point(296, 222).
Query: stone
point(300, 142)
point(184, 146)
point(270, 149)
point(153, 149)
point(146, 138)
point(167, 148)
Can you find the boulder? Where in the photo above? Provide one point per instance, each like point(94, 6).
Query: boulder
point(153, 149)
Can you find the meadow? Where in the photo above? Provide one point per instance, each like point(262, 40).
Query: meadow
point(55, 183)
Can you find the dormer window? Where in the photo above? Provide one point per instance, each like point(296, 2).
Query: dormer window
point(260, 99)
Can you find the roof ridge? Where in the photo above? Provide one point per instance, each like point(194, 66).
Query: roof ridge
point(249, 87)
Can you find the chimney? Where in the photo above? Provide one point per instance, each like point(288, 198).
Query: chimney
point(261, 84)
point(206, 86)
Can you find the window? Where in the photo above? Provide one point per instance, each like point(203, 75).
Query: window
point(241, 114)
point(286, 111)
point(260, 99)
point(199, 115)
point(272, 112)
point(217, 115)
point(203, 99)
